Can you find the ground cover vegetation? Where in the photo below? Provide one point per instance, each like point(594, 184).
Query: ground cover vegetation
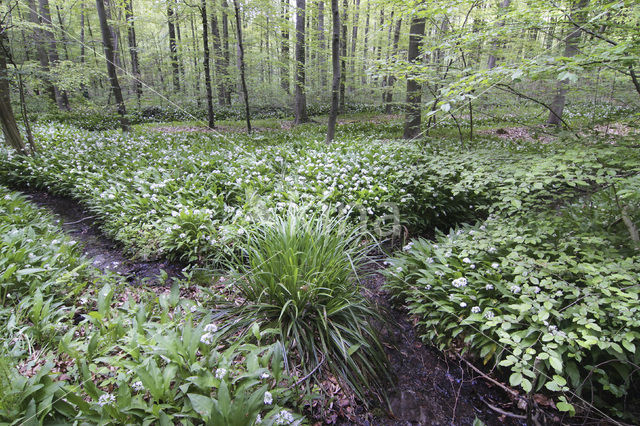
point(486, 152)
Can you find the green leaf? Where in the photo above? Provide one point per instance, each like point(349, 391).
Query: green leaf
point(203, 405)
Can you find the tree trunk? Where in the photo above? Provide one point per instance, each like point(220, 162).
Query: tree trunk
point(207, 61)
point(284, 49)
point(173, 49)
point(321, 56)
point(111, 68)
point(335, 62)
point(300, 98)
point(491, 63)
point(391, 78)
point(354, 39)
point(63, 32)
point(9, 127)
point(365, 50)
point(195, 56)
point(243, 82)
point(225, 46)
point(343, 54)
point(414, 89)
point(217, 57)
point(41, 51)
point(114, 35)
point(45, 15)
point(570, 50)
point(133, 48)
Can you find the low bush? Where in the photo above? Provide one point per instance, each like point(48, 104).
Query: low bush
point(549, 296)
point(299, 275)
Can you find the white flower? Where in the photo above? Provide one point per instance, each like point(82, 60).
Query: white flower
point(183, 235)
point(492, 250)
point(283, 418)
point(268, 398)
point(211, 328)
point(264, 375)
point(489, 287)
point(408, 246)
point(472, 266)
point(515, 289)
point(536, 289)
point(106, 399)
point(258, 419)
point(495, 265)
point(428, 287)
point(193, 308)
point(429, 259)
point(220, 373)
point(488, 315)
point(459, 282)
point(207, 338)
point(137, 386)
point(466, 260)
point(463, 304)
point(475, 309)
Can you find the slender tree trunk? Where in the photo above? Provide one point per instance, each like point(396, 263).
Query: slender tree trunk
point(243, 82)
point(284, 49)
point(570, 50)
point(83, 58)
point(41, 50)
point(115, 40)
point(504, 5)
point(52, 51)
point(111, 68)
point(133, 48)
point(226, 51)
point(300, 98)
point(365, 51)
point(414, 89)
point(391, 78)
point(173, 49)
point(207, 61)
point(195, 56)
point(321, 47)
point(63, 33)
point(217, 56)
point(9, 127)
point(385, 79)
point(343, 54)
point(354, 39)
point(335, 62)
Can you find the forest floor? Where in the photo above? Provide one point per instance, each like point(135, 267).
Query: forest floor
point(431, 388)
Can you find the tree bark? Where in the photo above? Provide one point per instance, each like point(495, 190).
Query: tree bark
point(335, 62)
point(9, 127)
point(365, 50)
point(570, 50)
point(391, 78)
point(414, 89)
point(243, 81)
point(207, 66)
point(217, 57)
point(491, 63)
point(343, 54)
point(52, 51)
point(300, 98)
point(133, 48)
point(284, 47)
point(111, 68)
point(226, 52)
point(41, 51)
point(321, 56)
point(173, 49)
point(354, 39)
point(195, 56)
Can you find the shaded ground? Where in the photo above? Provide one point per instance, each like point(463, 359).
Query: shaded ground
point(105, 254)
point(431, 389)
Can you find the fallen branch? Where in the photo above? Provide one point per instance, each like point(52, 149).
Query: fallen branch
point(494, 381)
point(503, 412)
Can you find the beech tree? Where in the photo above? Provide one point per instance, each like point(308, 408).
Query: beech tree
point(414, 89)
point(300, 96)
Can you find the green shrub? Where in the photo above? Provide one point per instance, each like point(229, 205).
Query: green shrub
point(551, 297)
point(299, 276)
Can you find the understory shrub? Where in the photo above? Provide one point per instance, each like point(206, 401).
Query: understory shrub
point(299, 275)
point(551, 297)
